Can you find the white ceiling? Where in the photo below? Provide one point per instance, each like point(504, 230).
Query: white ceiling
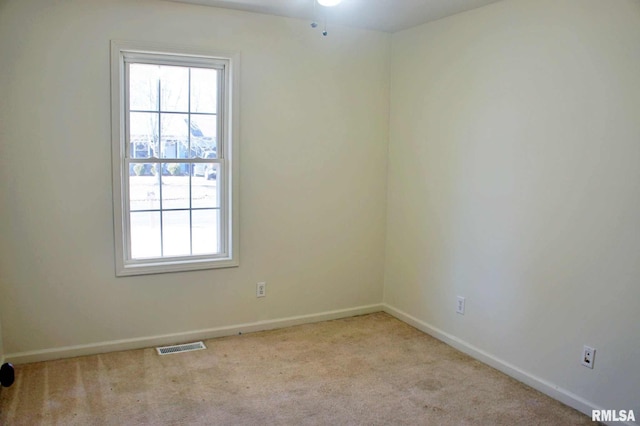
point(381, 15)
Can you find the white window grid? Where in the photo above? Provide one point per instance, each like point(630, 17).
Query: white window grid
point(227, 243)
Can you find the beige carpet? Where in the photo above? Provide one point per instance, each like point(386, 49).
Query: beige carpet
point(372, 370)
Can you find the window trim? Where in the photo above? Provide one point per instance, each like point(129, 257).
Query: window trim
point(125, 266)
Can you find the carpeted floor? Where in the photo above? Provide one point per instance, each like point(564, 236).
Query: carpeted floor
point(372, 370)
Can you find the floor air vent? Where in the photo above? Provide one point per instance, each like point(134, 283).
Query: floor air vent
point(187, 347)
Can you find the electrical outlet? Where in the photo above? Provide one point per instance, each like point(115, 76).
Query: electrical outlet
point(460, 305)
point(261, 289)
point(588, 356)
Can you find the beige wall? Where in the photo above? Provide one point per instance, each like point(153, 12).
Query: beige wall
point(314, 131)
point(1, 347)
point(514, 180)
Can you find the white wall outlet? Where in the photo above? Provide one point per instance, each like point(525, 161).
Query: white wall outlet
point(588, 356)
point(460, 305)
point(261, 289)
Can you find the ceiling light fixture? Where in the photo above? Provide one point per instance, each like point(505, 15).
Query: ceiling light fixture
point(325, 3)
point(329, 3)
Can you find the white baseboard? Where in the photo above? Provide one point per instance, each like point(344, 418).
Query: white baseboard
point(168, 339)
point(548, 388)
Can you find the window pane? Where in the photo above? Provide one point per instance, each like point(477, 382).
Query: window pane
point(204, 185)
point(143, 134)
point(204, 90)
point(174, 88)
point(145, 235)
point(206, 224)
point(176, 233)
point(175, 186)
point(203, 135)
point(144, 186)
point(175, 135)
point(143, 87)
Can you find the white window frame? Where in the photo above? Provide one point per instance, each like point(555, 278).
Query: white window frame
point(122, 51)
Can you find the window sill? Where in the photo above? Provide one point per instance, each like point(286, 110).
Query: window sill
point(149, 268)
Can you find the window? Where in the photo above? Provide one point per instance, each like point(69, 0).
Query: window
point(174, 114)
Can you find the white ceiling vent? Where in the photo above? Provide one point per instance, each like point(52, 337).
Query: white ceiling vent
point(187, 347)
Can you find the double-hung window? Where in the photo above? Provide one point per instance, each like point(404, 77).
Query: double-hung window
point(174, 120)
